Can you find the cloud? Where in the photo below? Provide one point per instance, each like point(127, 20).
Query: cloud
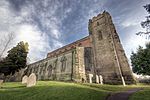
point(49, 24)
point(40, 32)
point(129, 23)
point(38, 43)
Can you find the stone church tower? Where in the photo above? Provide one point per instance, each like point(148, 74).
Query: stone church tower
point(109, 57)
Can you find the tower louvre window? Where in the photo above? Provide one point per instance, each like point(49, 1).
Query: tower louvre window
point(100, 37)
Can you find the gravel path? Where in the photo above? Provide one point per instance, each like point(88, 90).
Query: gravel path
point(123, 95)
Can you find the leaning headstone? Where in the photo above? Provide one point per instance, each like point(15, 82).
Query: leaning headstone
point(31, 80)
point(90, 78)
point(97, 79)
point(1, 82)
point(24, 79)
point(101, 79)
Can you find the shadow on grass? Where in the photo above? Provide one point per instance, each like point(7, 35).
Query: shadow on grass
point(15, 87)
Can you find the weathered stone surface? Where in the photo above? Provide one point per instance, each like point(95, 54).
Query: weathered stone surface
point(97, 79)
point(101, 79)
point(31, 80)
point(90, 78)
point(16, 77)
point(1, 76)
point(24, 79)
point(80, 65)
point(1, 82)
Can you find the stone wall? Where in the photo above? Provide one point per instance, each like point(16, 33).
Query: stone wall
point(55, 68)
point(16, 77)
point(68, 66)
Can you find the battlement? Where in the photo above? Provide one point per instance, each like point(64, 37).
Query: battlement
point(99, 16)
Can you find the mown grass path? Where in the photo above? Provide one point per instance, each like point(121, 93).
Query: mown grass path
point(123, 95)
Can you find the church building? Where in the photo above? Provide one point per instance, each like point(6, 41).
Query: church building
point(92, 59)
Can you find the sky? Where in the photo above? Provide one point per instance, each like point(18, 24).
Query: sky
point(50, 24)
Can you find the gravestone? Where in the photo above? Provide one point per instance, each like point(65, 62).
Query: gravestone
point(1, 76)
point(1, 82)
point(90, 78)
point(101, 79)
point(31, 80)
point(24, 79)
point(97, 79)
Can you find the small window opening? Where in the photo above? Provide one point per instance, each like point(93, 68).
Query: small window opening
point(100, 37)
point(97, 23)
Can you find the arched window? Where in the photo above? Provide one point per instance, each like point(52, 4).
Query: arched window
point(49, 69)
point(63, 63)
point(41, 69)
point(44, 68)
point(55, 64)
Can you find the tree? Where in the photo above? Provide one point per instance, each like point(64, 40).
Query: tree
point(5, 43)
point(15, 60)
point(146, 24)
point(141, 60)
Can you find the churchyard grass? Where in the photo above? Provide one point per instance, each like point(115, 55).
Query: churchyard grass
point(48, 90)
point(51, 90)
point(144, 94)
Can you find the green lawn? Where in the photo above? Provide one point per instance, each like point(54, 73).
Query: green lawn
point(51, 90)
point(47, 90)
point(143, 94)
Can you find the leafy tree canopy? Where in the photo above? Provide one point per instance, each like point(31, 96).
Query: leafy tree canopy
point(141, 60)
point(15, 60)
